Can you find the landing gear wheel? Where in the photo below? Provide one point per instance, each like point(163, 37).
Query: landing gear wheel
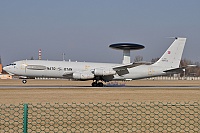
point(100, 84)
point(24, 81)
point(94, 84)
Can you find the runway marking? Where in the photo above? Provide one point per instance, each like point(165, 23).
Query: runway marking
point(89, 87)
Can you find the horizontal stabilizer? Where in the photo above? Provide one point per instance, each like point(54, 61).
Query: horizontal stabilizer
point(179, 70)
point(175, 71)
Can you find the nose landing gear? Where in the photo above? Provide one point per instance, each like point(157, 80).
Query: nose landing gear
point(24, 81)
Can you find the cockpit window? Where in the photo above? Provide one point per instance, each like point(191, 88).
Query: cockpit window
point(12, 64)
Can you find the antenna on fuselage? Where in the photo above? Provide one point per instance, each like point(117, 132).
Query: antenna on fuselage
point(39, 54)
point(63, 54)
point(126, 47)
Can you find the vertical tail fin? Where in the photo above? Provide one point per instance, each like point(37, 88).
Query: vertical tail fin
point(172, 57)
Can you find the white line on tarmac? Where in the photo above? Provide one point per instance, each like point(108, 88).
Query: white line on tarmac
point(88, 87)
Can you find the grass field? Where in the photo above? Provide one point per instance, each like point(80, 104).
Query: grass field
point(89, 94)
point(75, 108)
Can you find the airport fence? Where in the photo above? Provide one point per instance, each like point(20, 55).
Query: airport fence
point(101, 117)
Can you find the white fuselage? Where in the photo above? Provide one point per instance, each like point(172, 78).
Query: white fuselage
point(61, 69)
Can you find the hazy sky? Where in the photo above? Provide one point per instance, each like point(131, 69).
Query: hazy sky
point(83, 29)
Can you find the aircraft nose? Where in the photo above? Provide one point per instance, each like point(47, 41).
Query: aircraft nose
point(5, 68)
point(8, 69)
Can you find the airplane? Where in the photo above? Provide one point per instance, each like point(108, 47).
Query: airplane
point(103, 72)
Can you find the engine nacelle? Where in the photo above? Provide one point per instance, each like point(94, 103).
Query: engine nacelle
point(83, 76)
point(104, 72)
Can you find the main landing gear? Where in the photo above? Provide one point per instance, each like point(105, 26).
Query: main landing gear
point(97, 84)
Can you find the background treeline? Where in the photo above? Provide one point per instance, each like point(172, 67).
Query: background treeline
point(191, 71)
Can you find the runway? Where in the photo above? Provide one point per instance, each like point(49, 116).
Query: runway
point(107, 87)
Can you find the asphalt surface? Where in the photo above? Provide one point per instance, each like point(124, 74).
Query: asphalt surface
point(108, 87)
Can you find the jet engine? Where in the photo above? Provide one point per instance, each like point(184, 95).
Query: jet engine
point(103, 72)
point(83, 76)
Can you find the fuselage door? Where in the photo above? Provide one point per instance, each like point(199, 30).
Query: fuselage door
point(23, 66)
point(151, 71)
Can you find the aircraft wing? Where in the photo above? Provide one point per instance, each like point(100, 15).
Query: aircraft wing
point(123, 69)
point(105, 72)
point(131, 65)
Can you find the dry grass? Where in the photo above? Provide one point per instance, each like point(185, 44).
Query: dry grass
point(88, 94)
